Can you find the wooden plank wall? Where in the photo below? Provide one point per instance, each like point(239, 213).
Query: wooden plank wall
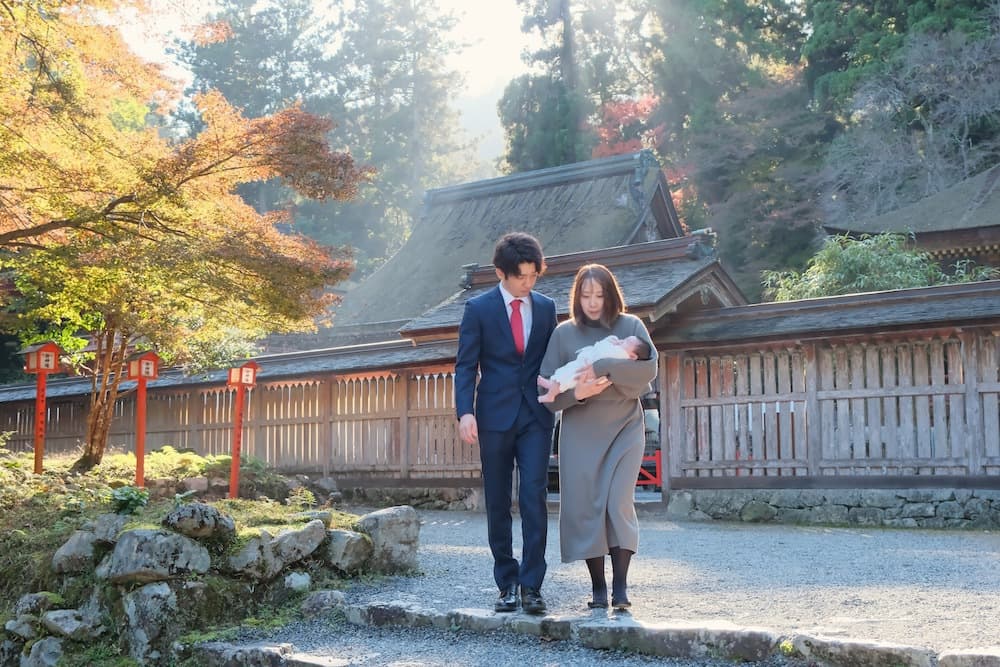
point(917, 404)
point(383, 424)
point(913, 404)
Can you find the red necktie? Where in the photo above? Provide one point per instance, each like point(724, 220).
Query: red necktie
point(516, 325)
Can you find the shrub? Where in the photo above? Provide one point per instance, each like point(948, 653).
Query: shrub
point(129, 499)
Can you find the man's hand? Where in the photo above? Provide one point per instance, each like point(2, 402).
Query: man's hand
point(592, 387)
point(468, 429)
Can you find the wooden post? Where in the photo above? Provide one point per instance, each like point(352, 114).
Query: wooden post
point(326, 422)
point(140, 433)
point(40, 383)
point(404, 424)
point(671, 418)
point(234, 468)
point(814, 439)
point(975, 437)
point(196, 405)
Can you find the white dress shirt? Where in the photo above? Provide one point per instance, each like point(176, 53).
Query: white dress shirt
point(525, 311)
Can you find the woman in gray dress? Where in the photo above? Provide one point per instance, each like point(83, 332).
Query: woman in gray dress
point(602, 436)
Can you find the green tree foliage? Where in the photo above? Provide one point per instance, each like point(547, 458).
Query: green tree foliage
point(540, 116)
point(700, 53)
point(756, 171)
point(929, 120)
point(845, 265)
point(378, 68)
point(852, 42)
point(896, 100)
point(397, 91)
point(734, 119)
point(545, 115)
point(117, 235)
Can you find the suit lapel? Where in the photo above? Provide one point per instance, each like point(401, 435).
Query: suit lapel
point(536, 317)
point(503, 321)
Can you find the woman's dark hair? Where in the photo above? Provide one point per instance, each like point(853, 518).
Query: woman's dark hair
point(614, 302)
point(516, 248)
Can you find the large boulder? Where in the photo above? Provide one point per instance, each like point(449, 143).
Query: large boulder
point(71, 624)
point(395, 534)
point(294, 545)
point(33, 603)
point(106, 527)
point(201, 521)
point(44, 653)
point(149, 614)
point(22, 627)
point(255, 559)
point(347, 550)
point(144, 555)
point(76, 554)
point(10, 653)
point(264, 556)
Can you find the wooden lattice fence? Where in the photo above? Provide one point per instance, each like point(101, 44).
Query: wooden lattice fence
point(880, 410)
point(902, 406)
point(387, 425)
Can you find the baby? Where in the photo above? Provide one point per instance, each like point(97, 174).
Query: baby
point(611, 347)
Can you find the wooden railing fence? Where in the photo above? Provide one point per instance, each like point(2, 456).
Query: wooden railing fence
point(388, 425)
point(852, 411)
point(900, 407)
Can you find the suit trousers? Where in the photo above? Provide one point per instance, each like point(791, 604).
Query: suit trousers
point(527, 443)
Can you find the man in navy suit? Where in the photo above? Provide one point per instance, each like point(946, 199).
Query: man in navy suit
point(503, 336)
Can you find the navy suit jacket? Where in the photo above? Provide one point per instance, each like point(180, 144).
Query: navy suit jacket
point(486, 345)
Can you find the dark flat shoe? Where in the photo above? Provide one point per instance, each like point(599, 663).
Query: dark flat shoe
point(621, 605)
point(601, 604)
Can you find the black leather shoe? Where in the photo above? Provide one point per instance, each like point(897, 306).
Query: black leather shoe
point(507, 600)
point(531, 601)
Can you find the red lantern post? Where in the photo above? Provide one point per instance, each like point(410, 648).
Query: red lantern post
point(241, 377)
point(142, 367)
point(41, 360)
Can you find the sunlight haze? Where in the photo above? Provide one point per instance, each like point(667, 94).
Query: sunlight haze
point(490, 33)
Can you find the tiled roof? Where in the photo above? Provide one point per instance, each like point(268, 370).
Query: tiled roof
point(594, 204)
point(969, 204)
point(647, 273)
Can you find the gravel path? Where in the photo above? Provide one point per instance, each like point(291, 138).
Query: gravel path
point(933, 589)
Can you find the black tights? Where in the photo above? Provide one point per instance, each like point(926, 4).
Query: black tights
point(597, 581)
point(620, 561)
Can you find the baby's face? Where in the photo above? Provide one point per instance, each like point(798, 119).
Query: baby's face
point(632, 343)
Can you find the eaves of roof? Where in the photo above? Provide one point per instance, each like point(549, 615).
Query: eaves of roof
point(941, 306)
point(643, 285)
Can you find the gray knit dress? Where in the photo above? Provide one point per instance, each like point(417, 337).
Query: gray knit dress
point(601, 442)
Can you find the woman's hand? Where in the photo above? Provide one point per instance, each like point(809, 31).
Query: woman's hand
point(585, 374)
point(592, 387)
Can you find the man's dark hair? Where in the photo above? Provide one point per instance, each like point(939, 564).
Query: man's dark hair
point(516, 248)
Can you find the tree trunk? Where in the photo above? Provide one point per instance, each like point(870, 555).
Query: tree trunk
point(107, 373)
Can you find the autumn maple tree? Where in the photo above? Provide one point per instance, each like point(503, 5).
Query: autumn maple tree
point(116, 235)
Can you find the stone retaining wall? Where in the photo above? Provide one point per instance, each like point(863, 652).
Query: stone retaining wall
point(896, 508)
